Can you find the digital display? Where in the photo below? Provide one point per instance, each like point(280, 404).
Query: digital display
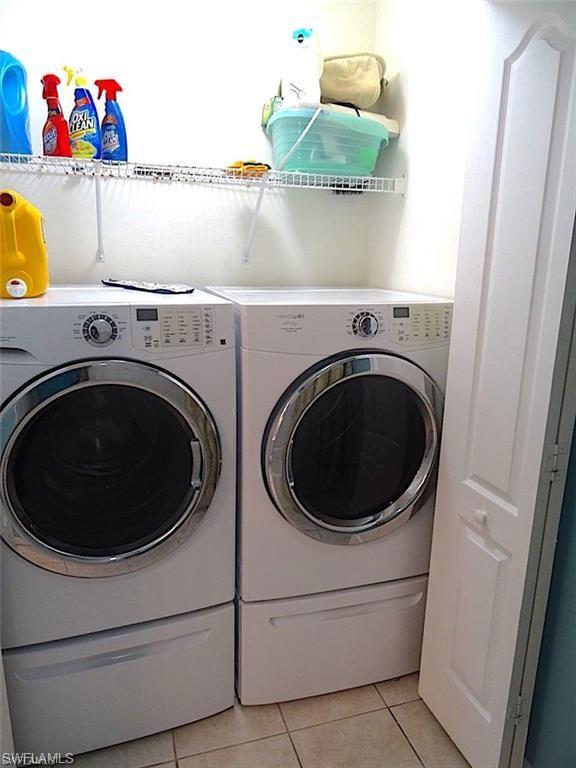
point(401, 311)
point(147, 314)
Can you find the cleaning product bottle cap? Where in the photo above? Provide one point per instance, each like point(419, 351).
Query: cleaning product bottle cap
point(110, 86)
point(6, 199)
point(80, 82)
point(69, 74)
point(50, 83)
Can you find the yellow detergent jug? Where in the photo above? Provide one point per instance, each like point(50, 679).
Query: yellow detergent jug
point(23, 253)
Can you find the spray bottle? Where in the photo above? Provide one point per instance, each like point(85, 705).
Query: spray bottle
point(55, 134)
point(302, 69)
point(114, 141)
point(85, 135)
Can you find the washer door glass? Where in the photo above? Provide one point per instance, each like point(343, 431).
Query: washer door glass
point(107, 461)
point(352, 449)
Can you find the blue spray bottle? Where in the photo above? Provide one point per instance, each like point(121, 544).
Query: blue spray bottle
point(85, 136)
point(114, 141)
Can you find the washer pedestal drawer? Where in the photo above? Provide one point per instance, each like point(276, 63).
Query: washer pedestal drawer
point(92, 691)
point(305, 646)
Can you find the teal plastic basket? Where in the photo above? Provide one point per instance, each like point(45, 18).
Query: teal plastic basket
point(336, 144)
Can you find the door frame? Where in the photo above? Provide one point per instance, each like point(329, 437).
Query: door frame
point(557, 444)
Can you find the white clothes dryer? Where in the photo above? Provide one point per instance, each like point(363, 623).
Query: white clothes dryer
point(341, 395)
point(117, 492)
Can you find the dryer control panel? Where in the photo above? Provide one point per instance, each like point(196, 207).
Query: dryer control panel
point(172, 327)
point(418, 324)
point(366, 322)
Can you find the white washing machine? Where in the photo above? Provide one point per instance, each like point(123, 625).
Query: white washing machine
point(117, 489)
point(341, 395)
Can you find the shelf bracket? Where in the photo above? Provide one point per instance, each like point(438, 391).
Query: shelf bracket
point(99, 226)
point(287, 156)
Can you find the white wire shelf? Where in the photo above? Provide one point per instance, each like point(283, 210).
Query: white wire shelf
point(63, 166)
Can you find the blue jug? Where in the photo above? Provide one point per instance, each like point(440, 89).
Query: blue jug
point(14, 118)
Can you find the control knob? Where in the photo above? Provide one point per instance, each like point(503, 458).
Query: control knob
point(365, 325)
point(100, 330)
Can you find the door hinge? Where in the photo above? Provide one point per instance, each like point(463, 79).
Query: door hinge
point(557, 461)
point(519, 713)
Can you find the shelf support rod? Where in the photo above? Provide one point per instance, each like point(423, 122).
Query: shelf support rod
point(99, 226)
point(287, 156)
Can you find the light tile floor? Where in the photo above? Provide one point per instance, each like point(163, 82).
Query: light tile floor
point(378, 726)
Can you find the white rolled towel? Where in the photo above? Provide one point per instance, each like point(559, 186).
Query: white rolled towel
point(353, 79)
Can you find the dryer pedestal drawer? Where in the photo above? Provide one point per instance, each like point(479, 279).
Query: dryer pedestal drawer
point(306, 646)
point(89, 692)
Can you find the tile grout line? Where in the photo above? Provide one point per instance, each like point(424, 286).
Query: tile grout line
point(290, 736)
point(289, 731)
point(401, 703)
point(381, 696)
point(151, 765)
point(337, 719)
point(173, 734)
point(420, 759)
point(229, 746)
point(280, 733)
point(412, 701)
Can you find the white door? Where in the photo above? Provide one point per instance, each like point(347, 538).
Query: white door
point(518, 214)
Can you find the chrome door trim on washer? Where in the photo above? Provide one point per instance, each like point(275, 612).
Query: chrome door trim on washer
point(32, 399)
point(292, 408)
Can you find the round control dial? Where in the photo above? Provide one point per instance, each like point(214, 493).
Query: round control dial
point(365, 325)
point(99, 330)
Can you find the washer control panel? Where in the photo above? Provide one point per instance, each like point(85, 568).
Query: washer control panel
point(164, 328)
point(419, 324)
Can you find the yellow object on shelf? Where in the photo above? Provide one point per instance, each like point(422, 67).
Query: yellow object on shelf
point(247, 168)
point(23, 253)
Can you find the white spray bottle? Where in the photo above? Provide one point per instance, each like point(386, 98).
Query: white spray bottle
point(302, 69)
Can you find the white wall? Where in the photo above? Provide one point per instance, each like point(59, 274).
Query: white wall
point(215, 63)
point(429, 50)
point(195, 77)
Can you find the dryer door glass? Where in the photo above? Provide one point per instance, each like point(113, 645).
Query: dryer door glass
point(350, 451)
point(105, 470)
point(357, 449)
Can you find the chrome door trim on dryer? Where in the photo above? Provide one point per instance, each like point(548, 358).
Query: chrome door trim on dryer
point(296, 403)
point(181, 403)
